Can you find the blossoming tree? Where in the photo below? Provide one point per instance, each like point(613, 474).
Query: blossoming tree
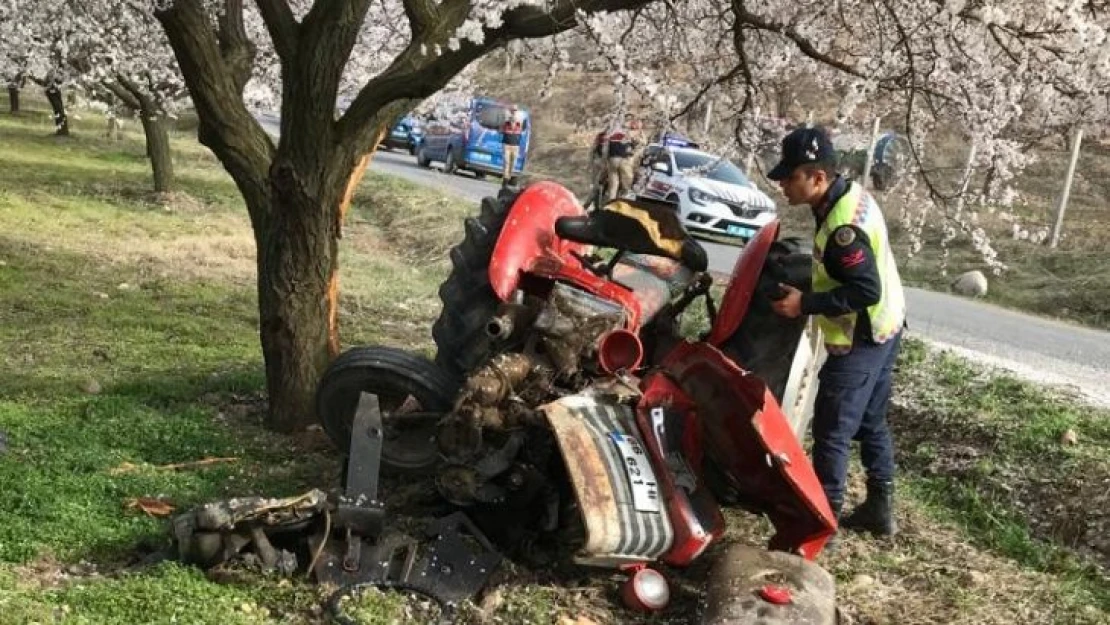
point(117, 45)
point(999, 73)
point(983, 66)
point(293, 189)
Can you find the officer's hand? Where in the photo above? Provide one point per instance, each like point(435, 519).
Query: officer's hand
point(790, 304)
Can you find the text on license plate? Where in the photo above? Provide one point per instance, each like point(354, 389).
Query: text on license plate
point(741, 231)
point(641, 479)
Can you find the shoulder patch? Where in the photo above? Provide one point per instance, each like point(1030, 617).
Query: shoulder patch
point(844, 236)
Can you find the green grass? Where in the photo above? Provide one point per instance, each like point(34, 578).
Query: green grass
point(1000, 469)
point(95, 290)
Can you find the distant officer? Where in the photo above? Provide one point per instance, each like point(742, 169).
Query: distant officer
point(510, 142)
point(621, 149)
point(858, 300)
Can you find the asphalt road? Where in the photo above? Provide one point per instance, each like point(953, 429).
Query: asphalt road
point(1036, 348)
point(402, 165)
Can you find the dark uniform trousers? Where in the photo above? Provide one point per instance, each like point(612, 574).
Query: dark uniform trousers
point(851, 404)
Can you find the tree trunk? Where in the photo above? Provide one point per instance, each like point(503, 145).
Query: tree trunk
point(158, 149)
point(13, 98)
point(155, 128)
point(297, 256)
point(57, 103)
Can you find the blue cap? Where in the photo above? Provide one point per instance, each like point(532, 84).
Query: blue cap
point(803, 146)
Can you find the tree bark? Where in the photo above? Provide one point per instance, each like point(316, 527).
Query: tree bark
point(158, 149)
point(13, 99)
point(57, 103)
point(155, 129)
point(297, 260)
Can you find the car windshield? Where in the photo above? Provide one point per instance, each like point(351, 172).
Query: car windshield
point(492, 116)
point(712, 167)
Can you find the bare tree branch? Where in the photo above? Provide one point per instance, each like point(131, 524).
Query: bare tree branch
point(281, 25)
point(422, 15)
point(226, 127)
point(129, 100)
point(236, 48)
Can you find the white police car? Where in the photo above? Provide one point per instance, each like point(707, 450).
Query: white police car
point(713, 196)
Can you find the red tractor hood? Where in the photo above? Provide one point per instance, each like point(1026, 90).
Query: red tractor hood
point(745, 433)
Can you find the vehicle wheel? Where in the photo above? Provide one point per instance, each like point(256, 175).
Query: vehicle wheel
point(468, 299)
point(403, 382)
point(480, 175)
point(412, 149)
point(422, 158)
point(766, 343)
point(741, 572)
point(451, 165)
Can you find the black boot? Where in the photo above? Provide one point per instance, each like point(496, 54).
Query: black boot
point(876, 513)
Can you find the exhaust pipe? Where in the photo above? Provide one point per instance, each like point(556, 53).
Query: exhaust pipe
point(500, 328)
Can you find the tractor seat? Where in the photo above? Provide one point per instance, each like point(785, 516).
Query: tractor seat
point(637, 226)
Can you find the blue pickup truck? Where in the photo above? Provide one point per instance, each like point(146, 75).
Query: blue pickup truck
point(471, 139)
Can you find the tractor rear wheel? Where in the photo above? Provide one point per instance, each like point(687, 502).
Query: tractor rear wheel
point(468, 299)
point(766, 343)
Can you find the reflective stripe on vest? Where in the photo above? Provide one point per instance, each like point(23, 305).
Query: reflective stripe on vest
point(858, 208)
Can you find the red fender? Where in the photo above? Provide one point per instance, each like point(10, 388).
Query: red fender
point(745, 278)
point(529, 235)
point(528, 244)
point(745, 433)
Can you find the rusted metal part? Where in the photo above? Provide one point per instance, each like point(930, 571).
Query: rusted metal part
point(590, 475)
point(496, 380)
point(571, 324)
point(736, 592)
point(511, 321)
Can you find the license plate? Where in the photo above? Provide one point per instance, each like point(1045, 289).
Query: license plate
point(399, 135)
point(645, 491)
point(741, 231)
point(481, 156)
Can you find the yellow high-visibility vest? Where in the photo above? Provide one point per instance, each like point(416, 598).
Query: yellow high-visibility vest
point(858, 208)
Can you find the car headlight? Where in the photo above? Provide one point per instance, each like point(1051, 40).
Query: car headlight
point(700, 197)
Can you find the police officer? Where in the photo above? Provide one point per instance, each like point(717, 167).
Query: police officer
point(857, 298)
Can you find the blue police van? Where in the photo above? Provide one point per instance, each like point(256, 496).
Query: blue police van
point(470, 138)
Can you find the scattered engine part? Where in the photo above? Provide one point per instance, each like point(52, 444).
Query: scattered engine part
point(453, 563)
point(232, 529)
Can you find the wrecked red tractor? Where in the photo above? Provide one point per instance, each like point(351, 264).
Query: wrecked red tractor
point(565, 413)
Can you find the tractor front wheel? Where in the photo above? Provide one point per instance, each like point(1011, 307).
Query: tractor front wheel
point(411, 392)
